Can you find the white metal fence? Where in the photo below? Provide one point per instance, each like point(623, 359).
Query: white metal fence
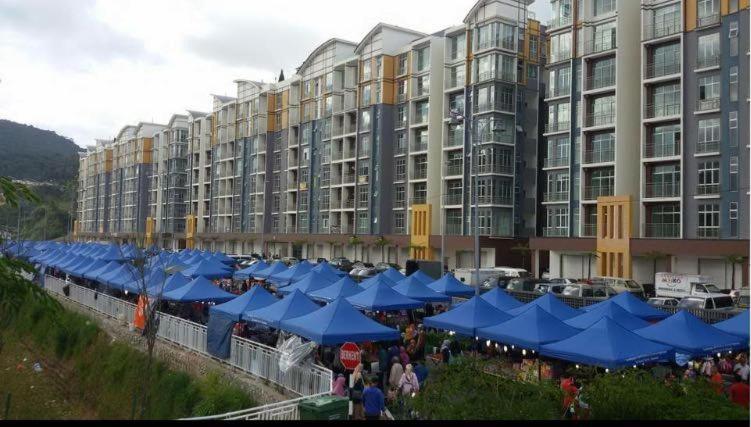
point(248, 356)
point(287, 410)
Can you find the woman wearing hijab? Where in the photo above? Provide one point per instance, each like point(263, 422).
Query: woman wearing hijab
point(355, 393)
point(403, 356)
point(338, 387)
point(445, 352)
point(409, 384)
point(396, 373)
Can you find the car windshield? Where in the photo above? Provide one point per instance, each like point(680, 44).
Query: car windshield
point(654, 302)
point(632, 285)
point(713, 289)
point(691, 303)
point(571, 290)
point(723, 302)
point(743, 300)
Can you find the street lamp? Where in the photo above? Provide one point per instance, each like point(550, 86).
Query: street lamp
point(457, 117)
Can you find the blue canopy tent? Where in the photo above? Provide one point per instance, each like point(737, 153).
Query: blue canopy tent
point(118, 278)
point(737, 325)
point(111, 253)
point(293, 305)
point(72, 268)
point(424, 278)
point(154, 277)
point(323, 270)
point(223, 258)
point(70, 260)
point(199, 289)
point(392, 274)
point(690, 336)
point(173, 282)
point(93, 264)
point(501, 299)
point(297, 271)
point(224, 316)
point(208, 269)
point(382, 297)
point(378, 278)
point(338, 323)
point(93, 274)
point(247, 273)
point(274, 268)
point(466, 318)
point(193, 259)
point(313, 281)
point(529, 330)
point(344, 287)
point(414, 288)
point(607, 344)
point(551, 304)
point(633, 305)
point(448, 285)
point(611, 310)
point(326, 267)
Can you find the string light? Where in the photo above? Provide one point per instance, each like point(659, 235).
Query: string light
point(577, 366)
point(505, 349)
point(524, 352)
point(607, 370)
point(487, 343)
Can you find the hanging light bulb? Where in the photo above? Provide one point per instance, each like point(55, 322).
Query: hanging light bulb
point(533, 352)
point(505, 349)
point(496, 345)
point(126, 292)
point(634, 366)
point(719, 355)
point(607, 370)
point(512, 347)
point(487, 343)
point(524, 352)
point(577, 366)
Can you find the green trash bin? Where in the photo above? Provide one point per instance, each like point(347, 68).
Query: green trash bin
point(324, 408)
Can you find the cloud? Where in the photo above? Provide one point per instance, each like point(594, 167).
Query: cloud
point(65, 32)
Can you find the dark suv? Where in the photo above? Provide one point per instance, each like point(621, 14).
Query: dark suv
point(342, 264)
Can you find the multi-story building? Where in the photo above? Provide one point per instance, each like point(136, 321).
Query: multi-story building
point(674, 201)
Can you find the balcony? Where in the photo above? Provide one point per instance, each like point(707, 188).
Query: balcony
point(486, 107)
point(453, 199)
point(560, 21)
point(500, 137)
point(420, 119)
point(653, 151)
point(349, 178)
point(495, 200)
point(600, 43)
point(400, 123)
point(707, 147)
point(599, 156)
point(399, 203)
point(667, 26)
point(555, 196)
point(454, 170)
point(453, 229)
point(593, 192)
point(418, 200)
point(555, 162)
point(555, 232)
point(708, 190)
point(558, 91)
point(600, 119)
point(400, 176)
point(559, 56)
point(419, 173)
point(348, 204)
point(495, 168)
point(421, 91)
point(664, 69)
point(708, 104)
point(454, 81)
point(599, 82)
point(706, 21)
point(708, 61)
point(495, 75)
point(589, 230)
point(454, 139)
point(655, 190)
point(708, 233)
point(401, 98)
point(653, 111)
point(557, 127)
point(662, 230)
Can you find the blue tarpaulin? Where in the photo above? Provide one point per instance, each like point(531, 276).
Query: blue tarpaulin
point(199, 289)
point(529, 330)
point(424, 278)
point(416, 289)
point(208, 269)
point(392, 274)
point(378, 278)
point(293, 305)
point(324, 270)
point(313, 281)
point(608, 345)
point(633, 305)
point(338, 323)
point(690, 336)
point(448, 285)
point(611, 310)
point(501, 299)
point(275, 267)
point(247, 273)
point(173, 282)
point(110, 266)
point(465, 318)
point(737, 325)
point(295, 272)
point(552, 305)
point(382, 297)
point(344, 287)
point(111, 253)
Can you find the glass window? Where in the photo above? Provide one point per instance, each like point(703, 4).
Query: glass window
point(709, 130)
point(365, 121)
point(365, 101)
point(709, 87)
point(423, 59)
point(706, 8)
point(560, 47)
point(709, 50)
point(733, 83)
point(402, 64)
point(366, 65)
point(709, 177)
point(604, 6)
point(709, 220)
point(734, 173)
point(733, 128)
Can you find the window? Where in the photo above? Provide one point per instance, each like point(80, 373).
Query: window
point(366, 65)
point(604, 6)
point(365, 121)
point(666, 141)
point(604, 37)
point(709, 220)
point(421, 112)
point(709, 50)
point(365, 100)
point(733, 6)
point(666, 100)
point(379, 67)
point(399, 223)
point(709, 87)
point(458, 46)
point(709, 130)
point(733, 215)
point(733, 84)
point(733, 128)
point(560, 47)
point(533, 43)
point(706, 8)
point(709, 178)
point(734, 173)
point(557, 221)
point(402, 64)
point(666, 59)
point(423, 59)
point(401, 116)
point(400, 169)
point(603, 73)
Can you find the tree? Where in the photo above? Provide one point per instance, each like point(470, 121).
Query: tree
point(354, 241)
point(591, 255)
point(382, 242)
point(734, 260)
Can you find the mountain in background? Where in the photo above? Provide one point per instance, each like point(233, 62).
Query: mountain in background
point(31, 154)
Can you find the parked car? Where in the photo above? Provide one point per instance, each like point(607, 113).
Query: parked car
point(742, 301)
point(584, 290)
point(383, 266)
point(660, 302)
point(320, 260)
point(724, 303)
point(489, 277)
point(552, 287)
point(362, 270)
point(562, 281)
point(621, 285)
point(523, 284)
point(342, 264)
point(290, 261)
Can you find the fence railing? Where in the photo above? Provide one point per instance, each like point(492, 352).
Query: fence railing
point(251, 357)
point(286, 410)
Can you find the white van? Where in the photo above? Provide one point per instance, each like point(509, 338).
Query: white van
point(685, 285)
point(488, 275)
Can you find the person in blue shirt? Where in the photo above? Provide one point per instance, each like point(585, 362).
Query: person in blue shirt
point(421, 371)
point(373, 401)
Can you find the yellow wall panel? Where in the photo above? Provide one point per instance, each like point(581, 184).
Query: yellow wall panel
point(690, 13)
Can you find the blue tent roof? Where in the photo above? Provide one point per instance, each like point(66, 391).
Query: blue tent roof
point(448, 285)
point(293, 305)
point(424, 278)
point(247, 273)
point(255, 298)
point(392, 274)
point(382, 297)
point(608, 345)
point(531, 329)
point(737, 325)
point(611, 310)
point(313, 281)
point(199, 289)
point(125, 274)
point(173, 282)
point(223, 258)
point(275, 267)
point(501, 299)
point(344, 287)
point(208, 269)
point(338, 323)
point(72, 268)
point(691, 336)
point(467, 317)
point(70, 261)
point(633, 305)
point(327, 270)
point(110, 266)
point(111, 253)
point(551, 304)
point(295, 272)
point(415, 288)
point(378, 278)
point(92, 265)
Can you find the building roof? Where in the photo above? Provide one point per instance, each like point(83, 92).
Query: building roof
point(320, 48)
point(380, 26)
point(482, 3)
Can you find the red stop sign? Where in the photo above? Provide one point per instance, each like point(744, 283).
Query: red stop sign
point(349, 354)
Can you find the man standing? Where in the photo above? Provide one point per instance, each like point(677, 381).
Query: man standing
point(373, 401)
point(741, 368)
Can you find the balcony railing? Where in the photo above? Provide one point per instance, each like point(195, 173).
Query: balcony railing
point(400, 176)
point(708, 189)
point(495, 168)
point(558, 91)
point(400, 149)
point(555, 162)
point(401, 98)
point(418, 200)
point(557, 127)
point(662, 230)
point(494, 200)
point(599, 156)
point(498, 75)
point(422, 91)
point(496, 137)
point(652, 151)
point(421, 173)
point(348, 204)
point(454, 229)
point(662, 189)
point(452, 199)
point(454, 170)
point(600, 119)
point(419, 119)
point(708, 147)
point(454, 139)
point(401, 123)
point(454, 81)
point(653, 111)
point(708, 232)
point(348, 178)
point(560, 56)
point(589, 230)
point(599, 82)
point(708, 104)
point(593, 192)
point(600, 43)
point(555, 196)
point(559, 22)
point(555, 232)
point(706, 21)
point(484, 107)
point(708, 61)
point(663, 27)
point(663, 69)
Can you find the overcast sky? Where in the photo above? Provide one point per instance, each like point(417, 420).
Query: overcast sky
point(85, 68)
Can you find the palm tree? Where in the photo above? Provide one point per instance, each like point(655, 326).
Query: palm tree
point(591, 255)
point(381, 242)
point(733, 260)
point(354, 241)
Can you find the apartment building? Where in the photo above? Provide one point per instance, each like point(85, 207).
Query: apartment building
point(674, 201)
